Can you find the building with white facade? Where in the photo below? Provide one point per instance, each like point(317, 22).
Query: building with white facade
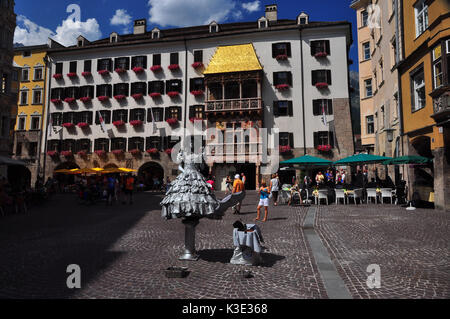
point(290, 75)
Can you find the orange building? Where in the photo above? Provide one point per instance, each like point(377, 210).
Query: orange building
point(424, 74)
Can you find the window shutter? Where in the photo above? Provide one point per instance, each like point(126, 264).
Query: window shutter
point(276, 80)
point(274, 49)
point(330, 107)
point(133, 61)
point(288, 49)
point(167, 86)
point(289, 78)
point(291, 140)
point(275, 109)
point(313, 48)
point(329, 77)
point(327, 47)
point(316, 139)
point(290, 108)
point(90, 118)
point(331, 139)
point(180, 113)
point(316, 107)
point(127, 64)
point(192, 84)
point(314, 77)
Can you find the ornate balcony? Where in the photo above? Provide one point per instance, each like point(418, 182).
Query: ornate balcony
point(441, 106)
point(238, 105)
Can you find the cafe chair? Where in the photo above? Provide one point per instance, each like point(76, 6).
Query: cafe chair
point(372, 193)
point(340, 194)
point(357, 194)
point(386, 193)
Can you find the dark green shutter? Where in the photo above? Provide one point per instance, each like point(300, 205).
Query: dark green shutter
point(275, 109)
point(316, 139)
point(290, 108)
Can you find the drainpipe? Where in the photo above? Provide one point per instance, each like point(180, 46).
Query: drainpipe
point(303, 91)
point(186, 111)
point(38, 170)
point(47, 63)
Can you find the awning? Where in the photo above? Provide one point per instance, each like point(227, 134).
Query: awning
point(9, 161)
point(307, 160)
point(411, 159)
point(234, 58)
point(361, 159)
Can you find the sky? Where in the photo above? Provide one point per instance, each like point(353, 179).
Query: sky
point(95, 19)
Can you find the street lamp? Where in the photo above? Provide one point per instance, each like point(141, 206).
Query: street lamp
point(390, 134)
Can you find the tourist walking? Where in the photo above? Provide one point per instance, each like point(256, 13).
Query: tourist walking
point(111, 190)
point(275, 188)
point(243, 178)
point(264, 193)
point(238, 187)
point(129, 188)
point(229, 187)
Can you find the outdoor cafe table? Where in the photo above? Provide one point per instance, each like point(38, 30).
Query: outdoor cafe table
point(247, 246)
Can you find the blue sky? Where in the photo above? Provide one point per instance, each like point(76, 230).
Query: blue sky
point(38, 20)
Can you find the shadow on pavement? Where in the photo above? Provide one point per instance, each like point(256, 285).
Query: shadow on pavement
point(224, 256)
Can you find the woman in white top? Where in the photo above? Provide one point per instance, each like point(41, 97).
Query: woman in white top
point(275, 188)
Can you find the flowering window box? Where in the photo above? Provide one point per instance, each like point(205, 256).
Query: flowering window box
point(120, 71)
point(135, 152)
point(117, 152)
point(138, 69)
point(172, 121)
point(52, 153)
point(281, 57)
point(195, 119)
point(56, 101)
point(138, 96)
point(85, 99)
point(283, 87)
point(118, 123)
point(68, 125)
point(72, 75)
point(82, 153)
point(197, 65)
point(119, 97)
point(174, 67)
point(321, 55)
point(136, 123)
point(324, 148)
point(156, 68)
point(86, 74)
point(103, 72)
point(67, 153)
point(103, 98)
point(321, 85)
point(197, 93)
point(155, 95)
point(285, 149)
point(173, 94)
point(100, 152)
point(70, 100)
point(83, 125)
point(168, 151)
point(58, 76)
point(153, 151)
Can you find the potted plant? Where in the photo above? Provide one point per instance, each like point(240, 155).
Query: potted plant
point(136, 123)
point(172, 121)
point(321, 85)
point(156, 68)
point(138, 96)
point(120, 71)
point(103, 72)
point(324, 148)
point(173, 67)
point(100, 152)
point(194, 119)
point(103, 98)
point(138, 69)
point(197, 93)
point(173, 93)
point(70, 100)
point(153, 151)
point(283, 87)
point(56, 101)
point(67, 153)
point(135, 152)
point(321, 54)
point(58, 76)
point(281, 57)
point(52, 153)
point(285, 149)
point(197, 65)
point(168, 151)
point(85, 99)
point(68, 125)
point(72, 75)
point(155, 95)
point(118, 123)
point(86, 74)
point(83, 125)
point(82, 153)
point(120, 97)
point(117, 152)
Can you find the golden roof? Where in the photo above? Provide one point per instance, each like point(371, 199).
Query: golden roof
point(234, 58)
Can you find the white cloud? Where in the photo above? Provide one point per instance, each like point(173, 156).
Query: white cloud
point(190, 12)
point(121, 18)
point(29, 33)
point(252, 6)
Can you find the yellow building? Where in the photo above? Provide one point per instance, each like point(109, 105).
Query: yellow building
point(30, 106)
point(424, 87)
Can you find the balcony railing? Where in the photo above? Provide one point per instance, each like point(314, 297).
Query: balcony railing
point(234, 105)
point(442, 103)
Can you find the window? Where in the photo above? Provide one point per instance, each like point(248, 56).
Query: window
point(156, 59)
point(101, 144)
point(171, 141)
point(213, 28)
point(121, 89)
point(381, 68)
point(281, 49)
point(287, 139)
point(122, 63)
point(370, 124)
point(323, 138)
point(83, 145)
point(364, 18)
point(37, 96)
point(119, 144)
point(173, 112)
point(437, 67)
point(85, 117)
point(88, 66)
point(174, 86)
point(322, 106)
point(56, 119)
point(32, 149)
point(24, 97)
point(421, 11)
point(80, 43)
point(282, 108)
point(418, 99)
point(38, 74)
point(35, 123)
point(282, 78)
point(197, 111)
point(198, 56)
point(154, 142)
point(174, 58)
point(70, 117)
point(393, 52)
point(87, 91)
point(54, 146)
point(136, 143)
point(156, 87)
point(4, 84)
point(104, 90)
point(197, 84)
point(158, 114)
point(303, 20)
point(19, 149)
point(368, 87)
point(366, 50)
point(156, 34)
point(57, 94)
point(139, 62)
point(105, 114)
point(21, 123)
point(139, 88)
point(120, 115)
point(25, 74)
point(26, 54)
point(104, 64)
point(320, 46)
point(321, 76)
point(73, 67)
point(262, 24)
point(72, 92)
point(59, 68)
point(137, 115)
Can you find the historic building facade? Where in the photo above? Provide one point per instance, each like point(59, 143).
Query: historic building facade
point(290, 75)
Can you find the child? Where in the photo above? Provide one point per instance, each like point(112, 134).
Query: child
point(264, 193)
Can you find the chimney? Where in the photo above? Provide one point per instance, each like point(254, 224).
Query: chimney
point(272, 12)
point(140, 26)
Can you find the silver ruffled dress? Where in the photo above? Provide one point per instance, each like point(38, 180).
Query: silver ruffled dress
point(189, 195)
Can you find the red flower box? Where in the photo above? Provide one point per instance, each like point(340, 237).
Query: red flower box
point(119, 97)
point(68, 125)
point(85, 99)
point(285, 149)
point(197, 93)
point(82, 153)
point(174, 67)
point(100, 153)
point(120, 71)
point(136, 123)
point(194, 119)
point(168, 151)
point(321, 85)
point(282, 87)
point(156, 68)
point(153, 151)
point(72, 75)
point(52, 153)
point(56, 101)
point(83, 125)
point(321, 55)
point(172, 121)
point(67, 153)
point(173, 94)
point(282, 57)
point(117, 152)
point(118, 123)
point(58, 76)
point(155, 95)
point(86, 74)
point(138, 69)
point(103, 98)
point(324, 148)
point(70, 100)
point(197, 65)
point(137, 96)
point(103, 72)
point(135, 152)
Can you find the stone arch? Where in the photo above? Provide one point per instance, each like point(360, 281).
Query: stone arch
point(148, 171)
point(110, 165)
